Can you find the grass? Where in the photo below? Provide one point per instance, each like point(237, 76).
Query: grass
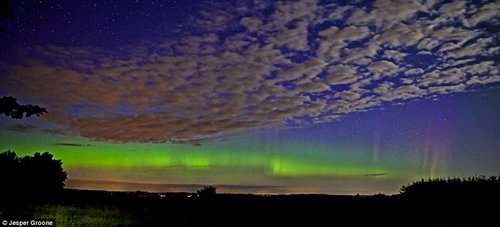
point(70, 215)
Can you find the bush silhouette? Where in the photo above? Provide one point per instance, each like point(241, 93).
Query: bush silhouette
point(450, 188)
point(207, 192)
point(37, 176)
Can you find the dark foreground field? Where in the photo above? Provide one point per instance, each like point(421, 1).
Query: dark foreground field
point(100, 208)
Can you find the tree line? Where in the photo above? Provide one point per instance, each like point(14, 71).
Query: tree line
point(456, 187)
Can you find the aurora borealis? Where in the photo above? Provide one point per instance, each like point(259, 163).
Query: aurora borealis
point(256, 96)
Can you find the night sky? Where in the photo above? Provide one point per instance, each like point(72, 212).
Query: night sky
point(308, 96)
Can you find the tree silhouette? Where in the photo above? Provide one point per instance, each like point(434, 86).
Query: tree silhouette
point(453, 187)
point(9, 107)
point(9, 172)
point(43, 171)
point(36, 176)
point(207, 192)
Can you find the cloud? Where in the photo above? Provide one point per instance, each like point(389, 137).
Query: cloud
point(361, 55)
point(71, 144)
point(414, 71)
point(436, 77)
point(374, 174)
point(292, 38)
point(337, 38)
point(58, 131)
point(386, 13)
point(391, 93)
point(486, 12)
point(305, 62)
point(309, 68)
point(21, 128)
point(383, 68)
point(341, 74)
point(394, 55)
point(252, 24)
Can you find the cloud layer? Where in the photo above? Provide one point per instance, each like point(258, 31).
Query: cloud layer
point(232, 69)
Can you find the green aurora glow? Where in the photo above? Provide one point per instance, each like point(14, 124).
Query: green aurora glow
point(238, 161)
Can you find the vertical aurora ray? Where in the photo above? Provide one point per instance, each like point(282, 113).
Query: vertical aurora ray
point(376, 140)
point(436, 144)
